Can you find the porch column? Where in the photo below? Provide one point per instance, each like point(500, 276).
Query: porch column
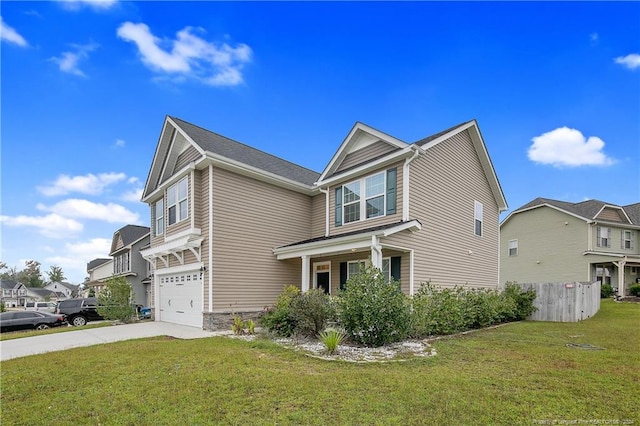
point(305, 273)
point(620, 266)
point(376, 252)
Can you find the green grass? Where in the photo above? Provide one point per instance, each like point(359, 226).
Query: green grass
point(54, 330)
point(518, 374)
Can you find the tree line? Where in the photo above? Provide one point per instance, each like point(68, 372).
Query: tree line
point(31, 275)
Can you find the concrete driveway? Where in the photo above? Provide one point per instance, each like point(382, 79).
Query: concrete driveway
point(16, 348)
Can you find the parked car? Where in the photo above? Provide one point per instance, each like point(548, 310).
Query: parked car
point(29, 320)
point(79, 311)
point(41, 306)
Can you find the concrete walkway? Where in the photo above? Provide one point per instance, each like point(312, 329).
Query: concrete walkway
point(16, 348)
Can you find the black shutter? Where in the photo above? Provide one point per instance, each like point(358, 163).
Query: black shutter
point(343, 275)
point(338, 210)
point(391, 190)
point(395, 267)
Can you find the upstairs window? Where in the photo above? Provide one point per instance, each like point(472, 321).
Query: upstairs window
point(627, 240)
point(478, 217)
point(177, 201)
point(377, 191)
point(603, 237)
point(159, 217)
point(513, 248)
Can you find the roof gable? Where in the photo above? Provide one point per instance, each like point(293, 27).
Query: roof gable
point(359, 138)
point(127, 235)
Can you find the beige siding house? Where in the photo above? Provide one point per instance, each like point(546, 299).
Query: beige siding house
point(556, 241)
point(232, 225)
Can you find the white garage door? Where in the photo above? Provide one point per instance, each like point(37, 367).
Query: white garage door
point(180, 297)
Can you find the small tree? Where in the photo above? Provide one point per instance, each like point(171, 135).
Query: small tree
point(114, 301)
point(55, 274)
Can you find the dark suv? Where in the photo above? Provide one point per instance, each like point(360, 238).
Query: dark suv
point(79, 311)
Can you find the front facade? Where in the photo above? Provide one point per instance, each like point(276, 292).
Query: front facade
point(63, 290)
point(127, 261)
point(14, 294)
point(556, 241)
point(232, 225)
point(99, 271)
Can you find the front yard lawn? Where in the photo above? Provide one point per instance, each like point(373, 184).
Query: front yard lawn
point(521, 373)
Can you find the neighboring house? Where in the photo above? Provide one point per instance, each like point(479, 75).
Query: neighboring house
point(557, 241)
point(232, 225)
point(128, 262)
point(99, 271)
point(14, 294)
point(63, 290)
point(38, 294)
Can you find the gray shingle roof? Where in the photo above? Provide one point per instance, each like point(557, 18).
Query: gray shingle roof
point(8, 284)
point(228, 148)
point(428, 139)
point(96, 262)
point(132, 233)
point(587, 209)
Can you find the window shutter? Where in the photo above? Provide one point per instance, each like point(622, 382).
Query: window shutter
point(391, 190)
point(338, 210)
point(598, 240)
point(395, 267)
point(343, 275)
point(622, 239)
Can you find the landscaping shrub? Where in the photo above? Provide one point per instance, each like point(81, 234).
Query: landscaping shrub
point(482, 307)
point(372, 311)
point(523, 301)
point(606, 291)
point(279, 318)
point(312, 311)
point(331, 339)
point(634, 290)
point(114, 301)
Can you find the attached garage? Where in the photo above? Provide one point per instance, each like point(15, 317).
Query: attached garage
point(180, 298)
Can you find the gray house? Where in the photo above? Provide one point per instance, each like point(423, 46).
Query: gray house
point(556, 241)
point(233, 225)
point(127, 261)
point(14, 294)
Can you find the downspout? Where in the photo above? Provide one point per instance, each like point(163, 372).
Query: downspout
point(209, 272)
point(405, 183)
point(326, 214)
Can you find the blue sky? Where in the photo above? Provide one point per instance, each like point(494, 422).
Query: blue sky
point(555, 88)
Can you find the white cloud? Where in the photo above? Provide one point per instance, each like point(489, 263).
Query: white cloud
point(594, 37)
point(89, 184)
point(69, 61)
point(94, 4)
point(133, 195)
point(84, 209)
point(631, 61)
point(214, 64)
point(73, 257)
point(10, 35)
point(52, 225)
point(568, 147)
point(119, 143)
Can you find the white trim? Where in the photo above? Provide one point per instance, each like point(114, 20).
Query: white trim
point(172, 180)
point(210, 241)
point(315, 272)
point(305, 273)
point(182, 234)
point(406, 183)
point(611, 206)
point(545, 205)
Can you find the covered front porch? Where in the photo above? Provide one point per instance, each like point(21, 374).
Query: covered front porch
point(616, 270)
point(327, 262)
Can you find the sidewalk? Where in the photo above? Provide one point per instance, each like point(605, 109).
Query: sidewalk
point(16, 348)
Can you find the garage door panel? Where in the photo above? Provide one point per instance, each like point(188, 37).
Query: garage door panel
point(180, 297)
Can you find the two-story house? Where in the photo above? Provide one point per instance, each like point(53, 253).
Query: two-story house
point(233, 225)
point(14, 294)
point(99, 270)
point(126, 245)
point(63, 290)
point(556, 241)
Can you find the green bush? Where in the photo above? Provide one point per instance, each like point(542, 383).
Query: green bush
point(372, 311)
point(114, 301)
point(331, 339)
point(606, 291)
point(482, 307)
point(634, 290)
point(311, 312)
point(279, 318)
point(523, 301)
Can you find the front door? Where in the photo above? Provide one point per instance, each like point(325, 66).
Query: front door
point(322, 278)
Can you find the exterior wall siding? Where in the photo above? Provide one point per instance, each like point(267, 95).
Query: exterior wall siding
point(613, 215)
point(363, 155)
point(318, 212)
point(202, 222)
point(616, 239)
point(183, 224)
point(444, 183)
point(189, 155)
point(250, 219)
point(555, 239)
point(367, 223)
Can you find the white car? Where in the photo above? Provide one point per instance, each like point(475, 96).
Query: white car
point(49, 307)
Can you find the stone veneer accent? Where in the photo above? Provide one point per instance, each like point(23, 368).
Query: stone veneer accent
point(212, 321)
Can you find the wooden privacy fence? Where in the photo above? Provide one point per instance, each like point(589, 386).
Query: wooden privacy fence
point(564, 302)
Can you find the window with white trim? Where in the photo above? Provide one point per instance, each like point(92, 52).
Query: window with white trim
point(513, 248)
point(351, 202)
point(353, 267)
point(177, 196)
point(477, 217)
point(627, 240)
point(603, 237)
point(378, 191)
point(159, 217)
point(374, 195)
